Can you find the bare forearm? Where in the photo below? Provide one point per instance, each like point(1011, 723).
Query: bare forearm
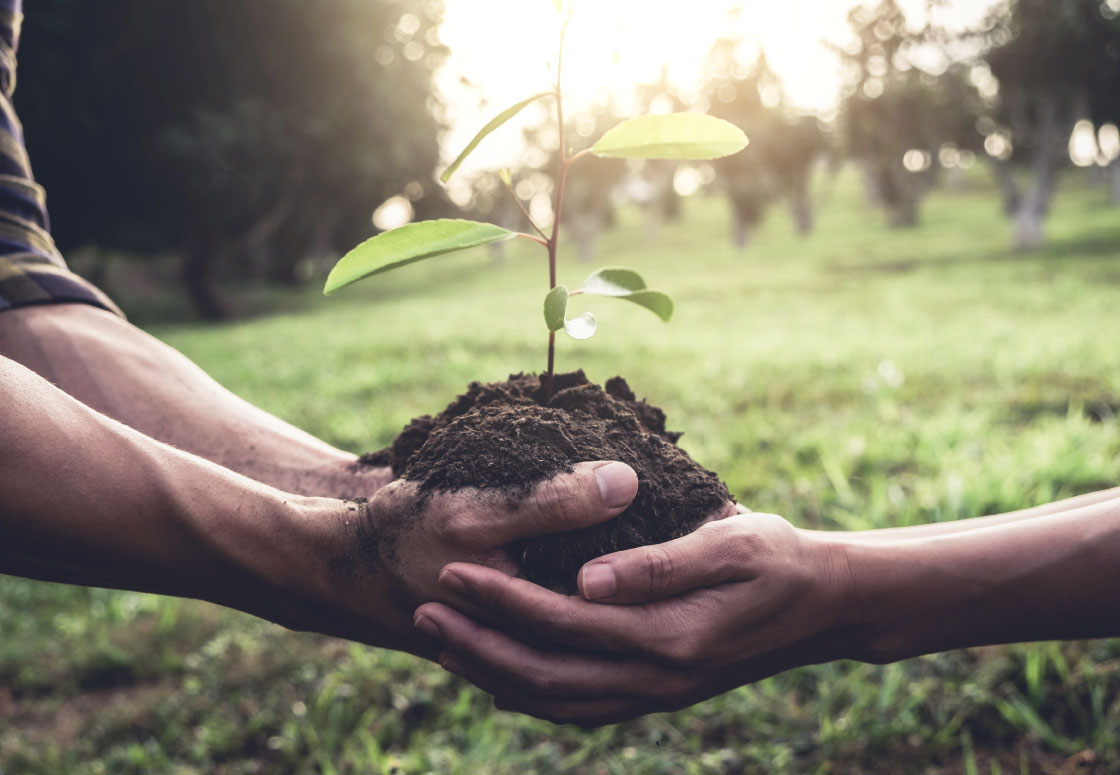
point(84, 499)
point(1054, 576)
point(134, 378)
point(932, 529)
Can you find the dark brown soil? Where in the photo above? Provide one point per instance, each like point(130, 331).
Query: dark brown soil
point(503, 435)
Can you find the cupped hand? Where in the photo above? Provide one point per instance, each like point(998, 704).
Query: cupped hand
point(737, 600)
point(383, 557)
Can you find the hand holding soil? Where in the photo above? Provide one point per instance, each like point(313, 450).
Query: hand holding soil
point(749, 596)
point(385, 555)
point(735, 601)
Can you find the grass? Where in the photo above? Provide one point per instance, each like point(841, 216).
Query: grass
point(857, 378)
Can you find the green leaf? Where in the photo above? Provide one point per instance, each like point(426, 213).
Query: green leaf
point(506, 176)
point(671, 136)
point(582, 327)
point(627, 284)
point(613, 281)
point(414, 242)
point(496, 122)
point(555, 305)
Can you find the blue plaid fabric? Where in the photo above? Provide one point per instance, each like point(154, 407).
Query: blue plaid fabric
point(32, 271)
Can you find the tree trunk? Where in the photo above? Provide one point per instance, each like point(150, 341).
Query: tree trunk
point(1113, 173)
point(902, 213)
point(1034, 204)
point(741, 232)
point(1048, 124)
point(1028, 229)
point(802, 211)
point(197, 265)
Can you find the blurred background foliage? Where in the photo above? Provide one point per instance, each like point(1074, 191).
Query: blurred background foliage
point(246, 136)
point(249, 141)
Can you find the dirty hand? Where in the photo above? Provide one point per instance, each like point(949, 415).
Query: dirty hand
point(657, 628)
point(383, 558)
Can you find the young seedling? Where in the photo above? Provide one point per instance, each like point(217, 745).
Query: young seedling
point(676, 136)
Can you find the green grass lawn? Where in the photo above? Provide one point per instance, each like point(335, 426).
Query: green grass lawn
point(857, 378)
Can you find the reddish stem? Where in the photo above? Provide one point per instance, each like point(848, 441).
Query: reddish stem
point(532, 238)
point(558, 204)
point(528, 217)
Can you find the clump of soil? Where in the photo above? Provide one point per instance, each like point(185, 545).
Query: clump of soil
point(505, 435)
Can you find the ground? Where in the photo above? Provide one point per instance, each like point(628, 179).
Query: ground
point(861, 377)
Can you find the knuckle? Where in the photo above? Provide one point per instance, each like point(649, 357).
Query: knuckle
point(555, 499)
point(542, 681)
point(560, 623)
point(658, 569)
point(682, 650)
point(461, 527)
point(673, 686)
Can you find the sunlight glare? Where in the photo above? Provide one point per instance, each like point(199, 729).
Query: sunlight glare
point(504, 50)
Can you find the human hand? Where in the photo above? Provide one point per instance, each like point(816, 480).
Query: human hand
point(737, 600)
point(383, 558)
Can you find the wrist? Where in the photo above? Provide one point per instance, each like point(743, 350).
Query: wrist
point(336, 580)
point(847, 623)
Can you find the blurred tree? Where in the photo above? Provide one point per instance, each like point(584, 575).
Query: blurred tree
point(893, 116)
point(784, 145)
point(1055, 62)
point(1104, 102)
point(663, 202)
point(589, 198)
point(228, 129)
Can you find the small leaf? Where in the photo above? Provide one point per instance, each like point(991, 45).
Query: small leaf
point(671, 136)
point(408, 244)
point(555, 305)
point(655, 301)
point(506, 176)
point(627, 284)
point(495, 122)
point(613, 281)
point(582, 327)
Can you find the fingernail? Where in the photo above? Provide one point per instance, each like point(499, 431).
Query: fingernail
point(453, 582)
point(427, 626)
point(451, 665)
point(617, 484)
point(598, 582)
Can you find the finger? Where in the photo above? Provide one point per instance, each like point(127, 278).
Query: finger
point(706, 557)
point(542, 672)
point(558, 686)
point(558, 619)
point(584, 714)
point(590, 494)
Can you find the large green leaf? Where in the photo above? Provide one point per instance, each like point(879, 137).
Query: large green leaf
point(555, 305)
point(495, 122)
point(671, 136)
point(414, 242)
point(623, 283)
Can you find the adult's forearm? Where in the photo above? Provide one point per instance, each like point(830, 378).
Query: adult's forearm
point(1054, 576)
point(128, 375)
point(85, 499)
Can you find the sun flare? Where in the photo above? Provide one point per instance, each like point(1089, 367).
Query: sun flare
point(504, 50)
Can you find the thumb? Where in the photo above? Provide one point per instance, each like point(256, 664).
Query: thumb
point(592, 493)
point(703, 558)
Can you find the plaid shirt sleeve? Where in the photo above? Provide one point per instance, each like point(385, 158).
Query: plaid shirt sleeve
point(32, 271)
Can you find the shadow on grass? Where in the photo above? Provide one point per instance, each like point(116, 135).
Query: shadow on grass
point(1083, 246)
